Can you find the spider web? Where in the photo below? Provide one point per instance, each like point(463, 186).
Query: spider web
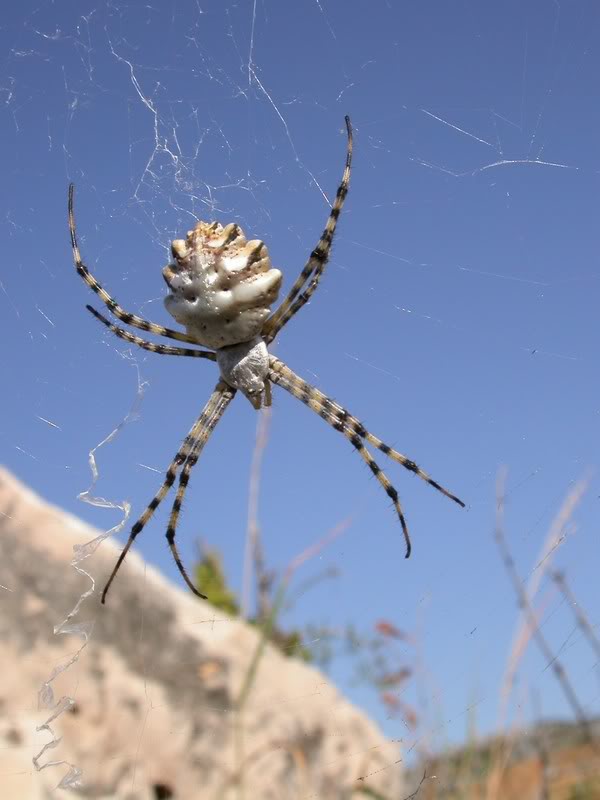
point(457, 318)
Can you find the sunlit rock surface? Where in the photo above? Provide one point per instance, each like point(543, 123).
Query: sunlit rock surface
point(155, 688)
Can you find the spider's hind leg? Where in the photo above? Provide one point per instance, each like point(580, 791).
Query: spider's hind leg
point(199, 432)
point(389, 489)
point(283, 376)
point(346, 423)
point(226, 396)
point(353, 429)
point(407, 463)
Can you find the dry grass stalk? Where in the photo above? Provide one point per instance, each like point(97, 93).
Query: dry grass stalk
point(253, 548)
point(580, 615)
point(527, 609)
point(528, 624)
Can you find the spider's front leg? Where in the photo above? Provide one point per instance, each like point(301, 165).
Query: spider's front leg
point(115, 309)
point(314, 268)
point(163, 349)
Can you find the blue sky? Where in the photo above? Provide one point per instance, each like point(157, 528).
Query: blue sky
point(458, 317)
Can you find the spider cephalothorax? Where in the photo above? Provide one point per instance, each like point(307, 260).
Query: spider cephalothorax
point(221, 287)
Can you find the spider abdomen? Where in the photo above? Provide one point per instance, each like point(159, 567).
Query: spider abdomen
point(221, 285)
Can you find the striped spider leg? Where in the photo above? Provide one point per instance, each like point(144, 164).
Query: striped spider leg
point(315, 266)
point(187, 455)
point(226, 396)
point(162, 349)
point(355, 432)
point(112, 305)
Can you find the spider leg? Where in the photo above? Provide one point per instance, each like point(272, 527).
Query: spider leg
point(181, 456)
point(341, 419)
point(227, 395)
point(303, 391)
point(163, 349)
point(391, 492)
point(354, 431)
point(111, 304)
point(407, 463)
point(315, 266)
point(268, 398)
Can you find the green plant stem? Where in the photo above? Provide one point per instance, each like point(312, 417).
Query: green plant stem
point(267, 626)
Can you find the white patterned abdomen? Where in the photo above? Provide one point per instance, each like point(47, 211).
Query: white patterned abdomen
point(221, 286)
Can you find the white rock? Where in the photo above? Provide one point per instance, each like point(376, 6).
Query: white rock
point(156, 686)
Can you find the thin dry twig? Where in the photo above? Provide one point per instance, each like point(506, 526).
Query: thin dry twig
point(528, 623)
point(267, 624)
point(418, 789)
point(540, 744)
point(367, 791)
point(529, 613)
point(315, 549)
point(583, 622)
point(553, 540)
point(253, 554)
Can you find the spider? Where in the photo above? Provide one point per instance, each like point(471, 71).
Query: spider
point(221, 288)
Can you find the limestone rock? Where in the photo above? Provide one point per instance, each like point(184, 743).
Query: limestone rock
point(155, 688)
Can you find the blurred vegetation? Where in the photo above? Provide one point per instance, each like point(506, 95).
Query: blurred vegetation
point(378, 655)
point(551, 761)
point(588, 790)
point(210, 576)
